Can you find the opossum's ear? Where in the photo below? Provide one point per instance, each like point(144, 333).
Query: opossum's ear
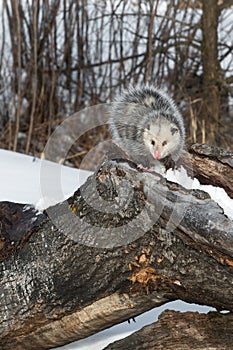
point(174, 130)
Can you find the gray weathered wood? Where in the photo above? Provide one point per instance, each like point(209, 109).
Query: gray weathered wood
point(182, 331)
point(127, 241)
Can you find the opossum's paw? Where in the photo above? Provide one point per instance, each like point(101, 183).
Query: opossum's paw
point(141, 167)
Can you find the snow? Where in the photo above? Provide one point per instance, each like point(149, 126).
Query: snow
point(25, 179)
point(216, 193)
point(28, 180)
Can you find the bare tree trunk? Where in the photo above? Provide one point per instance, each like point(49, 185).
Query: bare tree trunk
point(16, 37)
point(125, 242)
point(34, 72)
point(149, 58)
point(211, 93)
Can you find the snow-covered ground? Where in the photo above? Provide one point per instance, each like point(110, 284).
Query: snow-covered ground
point(21, 181)
point(24, 179)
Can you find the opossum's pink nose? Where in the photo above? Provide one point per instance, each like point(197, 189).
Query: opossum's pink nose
point(157, 155)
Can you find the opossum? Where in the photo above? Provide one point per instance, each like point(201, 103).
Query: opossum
point(146, 124)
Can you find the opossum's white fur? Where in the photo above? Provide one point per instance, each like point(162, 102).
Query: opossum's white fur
point(160, 138)
point(146, 124)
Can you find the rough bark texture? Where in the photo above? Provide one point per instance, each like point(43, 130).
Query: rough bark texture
point(127, 241)
point(182, 331)
point(210, 165)
point(211, 92)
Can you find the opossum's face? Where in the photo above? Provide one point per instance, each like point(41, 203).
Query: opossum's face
point(161, 139)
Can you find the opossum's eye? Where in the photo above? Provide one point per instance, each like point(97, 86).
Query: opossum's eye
point(174, 130)
point(152, 142)
point(164, 143)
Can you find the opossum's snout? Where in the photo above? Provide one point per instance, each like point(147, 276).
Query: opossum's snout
point(157, 155)
point(155, 149)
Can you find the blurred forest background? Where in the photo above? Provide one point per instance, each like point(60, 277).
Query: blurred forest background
point(59, 56)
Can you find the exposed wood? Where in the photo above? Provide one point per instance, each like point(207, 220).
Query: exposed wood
point(127, 241)
point(182, 331)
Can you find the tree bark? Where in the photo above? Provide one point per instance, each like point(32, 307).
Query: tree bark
point(125, 242)
point(211, 92)
point(210, 165)
point(183, 331)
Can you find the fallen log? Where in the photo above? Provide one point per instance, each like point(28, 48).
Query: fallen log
point(125, 242)
point(211, 165)
point(183, 331)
